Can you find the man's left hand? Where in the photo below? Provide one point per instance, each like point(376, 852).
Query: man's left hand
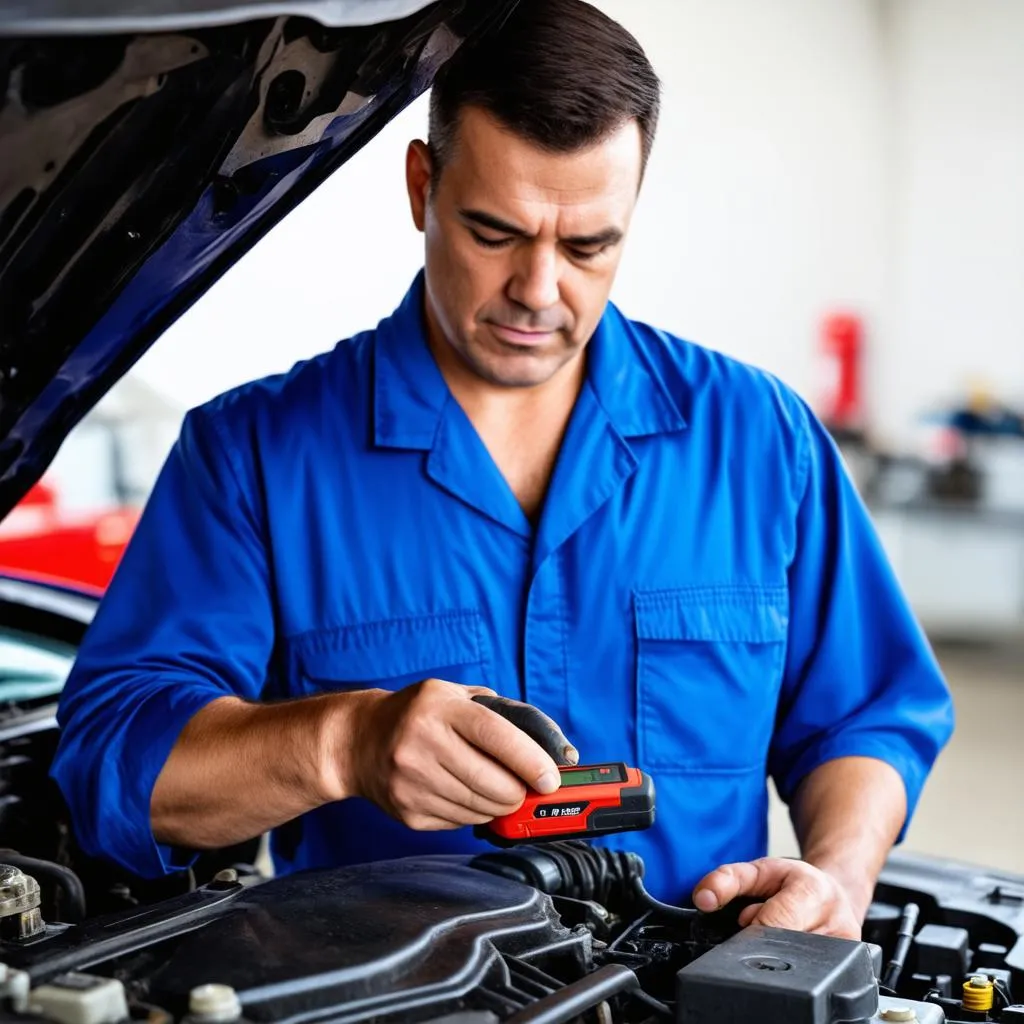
point(796, 895)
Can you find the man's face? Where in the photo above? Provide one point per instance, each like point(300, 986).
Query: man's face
point(522, 245)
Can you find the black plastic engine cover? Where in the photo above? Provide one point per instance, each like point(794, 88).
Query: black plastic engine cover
point(773, 976)
point(374, 938)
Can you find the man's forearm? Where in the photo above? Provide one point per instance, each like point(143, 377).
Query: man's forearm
point(847, 814)
point(239, 769)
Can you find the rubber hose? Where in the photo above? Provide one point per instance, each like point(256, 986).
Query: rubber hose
point(904, 937)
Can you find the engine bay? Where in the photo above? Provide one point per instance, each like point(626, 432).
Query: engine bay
point(554, 932)
point(558, 931)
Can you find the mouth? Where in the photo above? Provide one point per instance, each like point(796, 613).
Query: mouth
point(520, 338)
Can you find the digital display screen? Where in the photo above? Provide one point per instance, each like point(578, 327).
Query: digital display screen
point(592, 775)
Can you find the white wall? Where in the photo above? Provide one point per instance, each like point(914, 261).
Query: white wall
point(764, 205)
point(338, 264)
point(956, 306)
point(860, 154)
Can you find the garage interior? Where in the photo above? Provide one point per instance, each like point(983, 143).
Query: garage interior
point(835, 197)
point(836, 189)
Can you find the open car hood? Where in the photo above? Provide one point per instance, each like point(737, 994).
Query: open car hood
point(145, 146)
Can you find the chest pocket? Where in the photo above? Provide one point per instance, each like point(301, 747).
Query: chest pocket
point(391, 654)
point(709, 668)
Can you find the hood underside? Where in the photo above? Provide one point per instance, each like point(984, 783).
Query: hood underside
point(107, 17)
point(145, 147)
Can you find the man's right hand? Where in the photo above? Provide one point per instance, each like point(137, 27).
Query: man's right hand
point(434, 759)
point(429, 755)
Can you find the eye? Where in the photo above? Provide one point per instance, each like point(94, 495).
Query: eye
point(489, 243)
point(583, 255)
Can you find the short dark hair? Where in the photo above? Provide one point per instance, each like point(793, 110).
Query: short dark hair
point(559, 73)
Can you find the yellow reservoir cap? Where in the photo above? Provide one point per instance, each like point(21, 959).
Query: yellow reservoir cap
point(979, 993)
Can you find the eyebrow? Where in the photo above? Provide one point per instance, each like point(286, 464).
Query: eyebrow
point(608, 236)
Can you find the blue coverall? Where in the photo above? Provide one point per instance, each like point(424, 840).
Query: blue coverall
point(703, 596)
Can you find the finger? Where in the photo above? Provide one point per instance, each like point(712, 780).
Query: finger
point(482, 783)
point(510, 746)
point(476, 691)
point(537, 725)
point(430, 824)
point(441, 763)
point(747, 914)
point(426, 812)
point(764, 877)
point(794, 908)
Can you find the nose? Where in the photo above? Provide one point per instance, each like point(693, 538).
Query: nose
point(535, 282)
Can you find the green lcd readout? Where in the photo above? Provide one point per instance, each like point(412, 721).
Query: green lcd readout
point(592, 775)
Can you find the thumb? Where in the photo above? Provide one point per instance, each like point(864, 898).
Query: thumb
point(761, 878)
point(785, 910)
point(747, 914)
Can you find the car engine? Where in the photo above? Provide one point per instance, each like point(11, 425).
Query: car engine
point(556, 932)
point(561, 931)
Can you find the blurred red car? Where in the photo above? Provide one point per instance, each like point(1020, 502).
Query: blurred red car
point(79, 547)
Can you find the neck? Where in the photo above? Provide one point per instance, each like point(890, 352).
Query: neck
point(522, 428)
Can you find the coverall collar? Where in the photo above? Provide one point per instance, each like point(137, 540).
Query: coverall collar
point(411, 395)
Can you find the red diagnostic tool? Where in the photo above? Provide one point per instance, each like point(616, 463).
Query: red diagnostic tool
point(593, 800)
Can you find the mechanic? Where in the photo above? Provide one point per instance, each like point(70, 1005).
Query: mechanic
point(509, 487)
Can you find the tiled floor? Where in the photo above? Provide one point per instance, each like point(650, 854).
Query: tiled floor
point(973, 806)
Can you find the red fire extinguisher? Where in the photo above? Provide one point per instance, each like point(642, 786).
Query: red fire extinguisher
point(841, 349)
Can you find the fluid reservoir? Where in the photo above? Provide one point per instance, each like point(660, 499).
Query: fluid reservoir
point(20, 917)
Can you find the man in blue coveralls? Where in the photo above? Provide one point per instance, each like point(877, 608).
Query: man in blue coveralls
point(509, 487)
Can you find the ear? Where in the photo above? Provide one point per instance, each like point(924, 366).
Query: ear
point(418, 172)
